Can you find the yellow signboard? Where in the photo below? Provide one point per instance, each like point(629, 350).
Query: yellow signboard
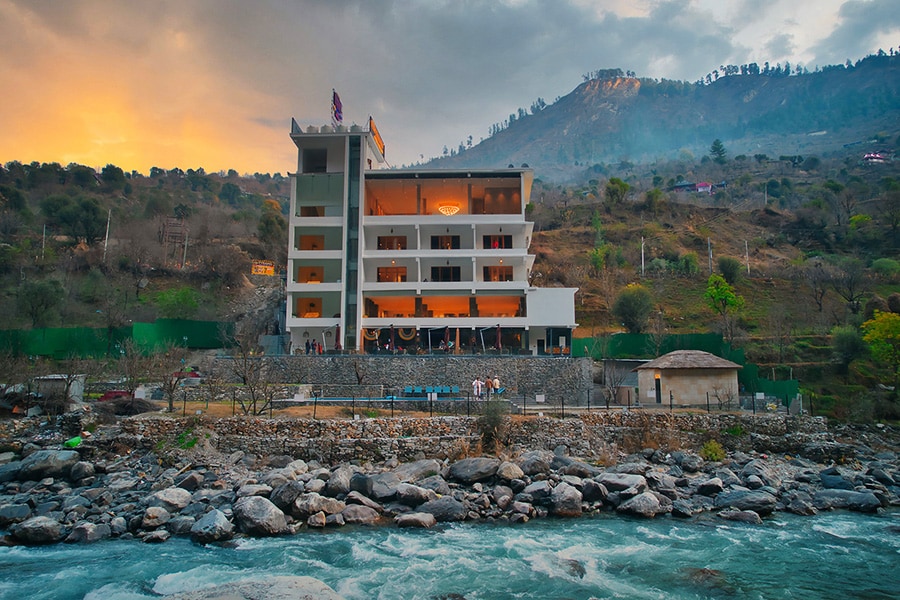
point(263, 267)
point(376, 136)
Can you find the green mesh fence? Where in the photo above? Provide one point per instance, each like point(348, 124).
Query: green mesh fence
point(86, 342)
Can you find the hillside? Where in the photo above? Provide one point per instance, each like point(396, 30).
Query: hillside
point(614, 119)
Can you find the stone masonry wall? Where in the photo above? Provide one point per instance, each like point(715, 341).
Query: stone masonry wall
point(593, 436)
point(559, 379)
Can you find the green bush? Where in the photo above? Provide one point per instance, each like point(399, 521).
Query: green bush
point(730, 268)
point(712, 451)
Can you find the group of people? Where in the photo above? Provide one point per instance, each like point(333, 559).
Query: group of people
point(485, 388)
point(313, 347)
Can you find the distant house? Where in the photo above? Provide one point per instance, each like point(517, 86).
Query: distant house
point(704, 187)
point(688, 376)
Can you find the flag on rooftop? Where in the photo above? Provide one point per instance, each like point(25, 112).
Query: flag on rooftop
point(337, 109)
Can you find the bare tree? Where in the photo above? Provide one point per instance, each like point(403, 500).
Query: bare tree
point(614, 375)
point(816, 276)
point(726, 397)
point(252, 369)
point(849, 280)
point(169, 366)
point(657, 332)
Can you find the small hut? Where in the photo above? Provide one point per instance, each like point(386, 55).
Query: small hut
point(687, 376)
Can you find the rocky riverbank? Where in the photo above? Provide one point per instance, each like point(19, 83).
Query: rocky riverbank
point(102, 490)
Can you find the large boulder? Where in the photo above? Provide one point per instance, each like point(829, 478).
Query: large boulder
point(445, 509)
point(86, 532)
point(642, 505)
point(619, 482)
point(565, 501)
point(535, 463)
point(416, 519)
point(413, 495)
point(759, 501)
point(312, 503)
point(47, 463)
point(849, 499)
point(38, 530)
point(256, 515)
point(417, 470)
point(339, 482)
point(508, 471)
point(360, 514)
point(155, 516)
point(13, 513)
point(471, 470)
point(833, 479)
point(281, 587)
point(173, 499)
point(214, 526)
point(285, 494)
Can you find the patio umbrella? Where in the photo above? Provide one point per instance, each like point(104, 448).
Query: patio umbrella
point(393, 345)
point(456, 347)
point(499, 344)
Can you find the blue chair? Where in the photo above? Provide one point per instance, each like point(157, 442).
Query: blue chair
point(455, 390)
point(407, 390)
point(418, 390)
point(445, 389)
point(429, 389)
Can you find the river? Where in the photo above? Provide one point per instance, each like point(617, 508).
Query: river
point(832, 555)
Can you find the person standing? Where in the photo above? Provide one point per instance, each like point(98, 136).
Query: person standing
point(496, 384)
point(476, 388)
point(488, 386)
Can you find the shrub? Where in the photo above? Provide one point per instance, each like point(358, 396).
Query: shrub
point(886, 267)
point(633, 307)
point(735, 430)
point(712, 451)
point(492, 424)
point(730, 268)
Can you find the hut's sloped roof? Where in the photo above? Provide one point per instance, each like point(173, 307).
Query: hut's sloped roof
point(689, 359)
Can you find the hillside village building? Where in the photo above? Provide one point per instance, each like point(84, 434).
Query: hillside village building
point(412, 260)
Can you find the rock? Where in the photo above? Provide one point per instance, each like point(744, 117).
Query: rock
point(470, 470)
point(690, 463)
point(592, 491)
point(284, 495)
point(362, 484)
point(180, 525)
point(832, 478)
point(413, 495)
point(37, 530)
point(256, 515)
point(10, 471)
point(445, 509)
point(631, 468)
point(507, 471)
point(617, 482)
point(339, 482)
point(191, 481)
point(538, 491)
point(642, 505)
point(762, 470)
point(254, 489)
point(437, 484)
point(359, 514)
point(849, 499)
point(157, 537)
point(173, 499)
point(214, 526)
point(565, 501)
point(418, 470)
point(728, 477)
point(416, 519)
point(271, 588)
point(503, 496)
point(535, 463)
point(743, 516)
point(155, 516)
point(308, 504)
point(580, 469)
point(759, 501)
point(13, 513)
point(683, 509)
point(710, 487)
point(47, 463)
point(89, 532)
point(314, 485)
point(357, 498)
point(800, 506)
point(383, 486)
point(317, 520)
point(81, 470)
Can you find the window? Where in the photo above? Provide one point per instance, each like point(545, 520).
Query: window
point(312, 211)
point(445, 242)
point(309, 308)
point(310, 274)
point(445, 274)
point(315, 160)
point(498, 273)
point(311, 242)
point(497, 241)
point(392, 242)
point(391, 274)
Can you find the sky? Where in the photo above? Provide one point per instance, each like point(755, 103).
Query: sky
point(215, 83)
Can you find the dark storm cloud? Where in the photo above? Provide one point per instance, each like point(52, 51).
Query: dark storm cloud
point(861, 25)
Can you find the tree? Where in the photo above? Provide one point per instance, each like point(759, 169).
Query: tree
point(720, 296)
point(633, 307)
point(882, 333)
point(816, 277)
point(38, 300)
point(170, 368)
point(616, 191)
point(849, 280)
point(717, 152)
point(847, 344)
point(730, 268)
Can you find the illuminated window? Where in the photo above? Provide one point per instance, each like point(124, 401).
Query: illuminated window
point(498, 273)
point(391, 274)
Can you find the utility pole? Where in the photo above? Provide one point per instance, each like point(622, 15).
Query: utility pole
point(709, 248)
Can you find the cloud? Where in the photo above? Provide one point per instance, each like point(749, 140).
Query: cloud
point(214, 83)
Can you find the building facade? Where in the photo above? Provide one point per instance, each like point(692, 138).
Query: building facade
point(384, 260)
point(688, 377)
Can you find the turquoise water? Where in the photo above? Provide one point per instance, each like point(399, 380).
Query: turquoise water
point(834, 555)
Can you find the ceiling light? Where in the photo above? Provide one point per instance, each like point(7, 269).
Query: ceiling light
point(448, 209)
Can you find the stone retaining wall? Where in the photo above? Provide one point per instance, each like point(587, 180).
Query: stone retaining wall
point(559, 379)
point(594, 436)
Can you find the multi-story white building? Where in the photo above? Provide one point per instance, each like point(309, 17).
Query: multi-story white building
point(412, 260)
